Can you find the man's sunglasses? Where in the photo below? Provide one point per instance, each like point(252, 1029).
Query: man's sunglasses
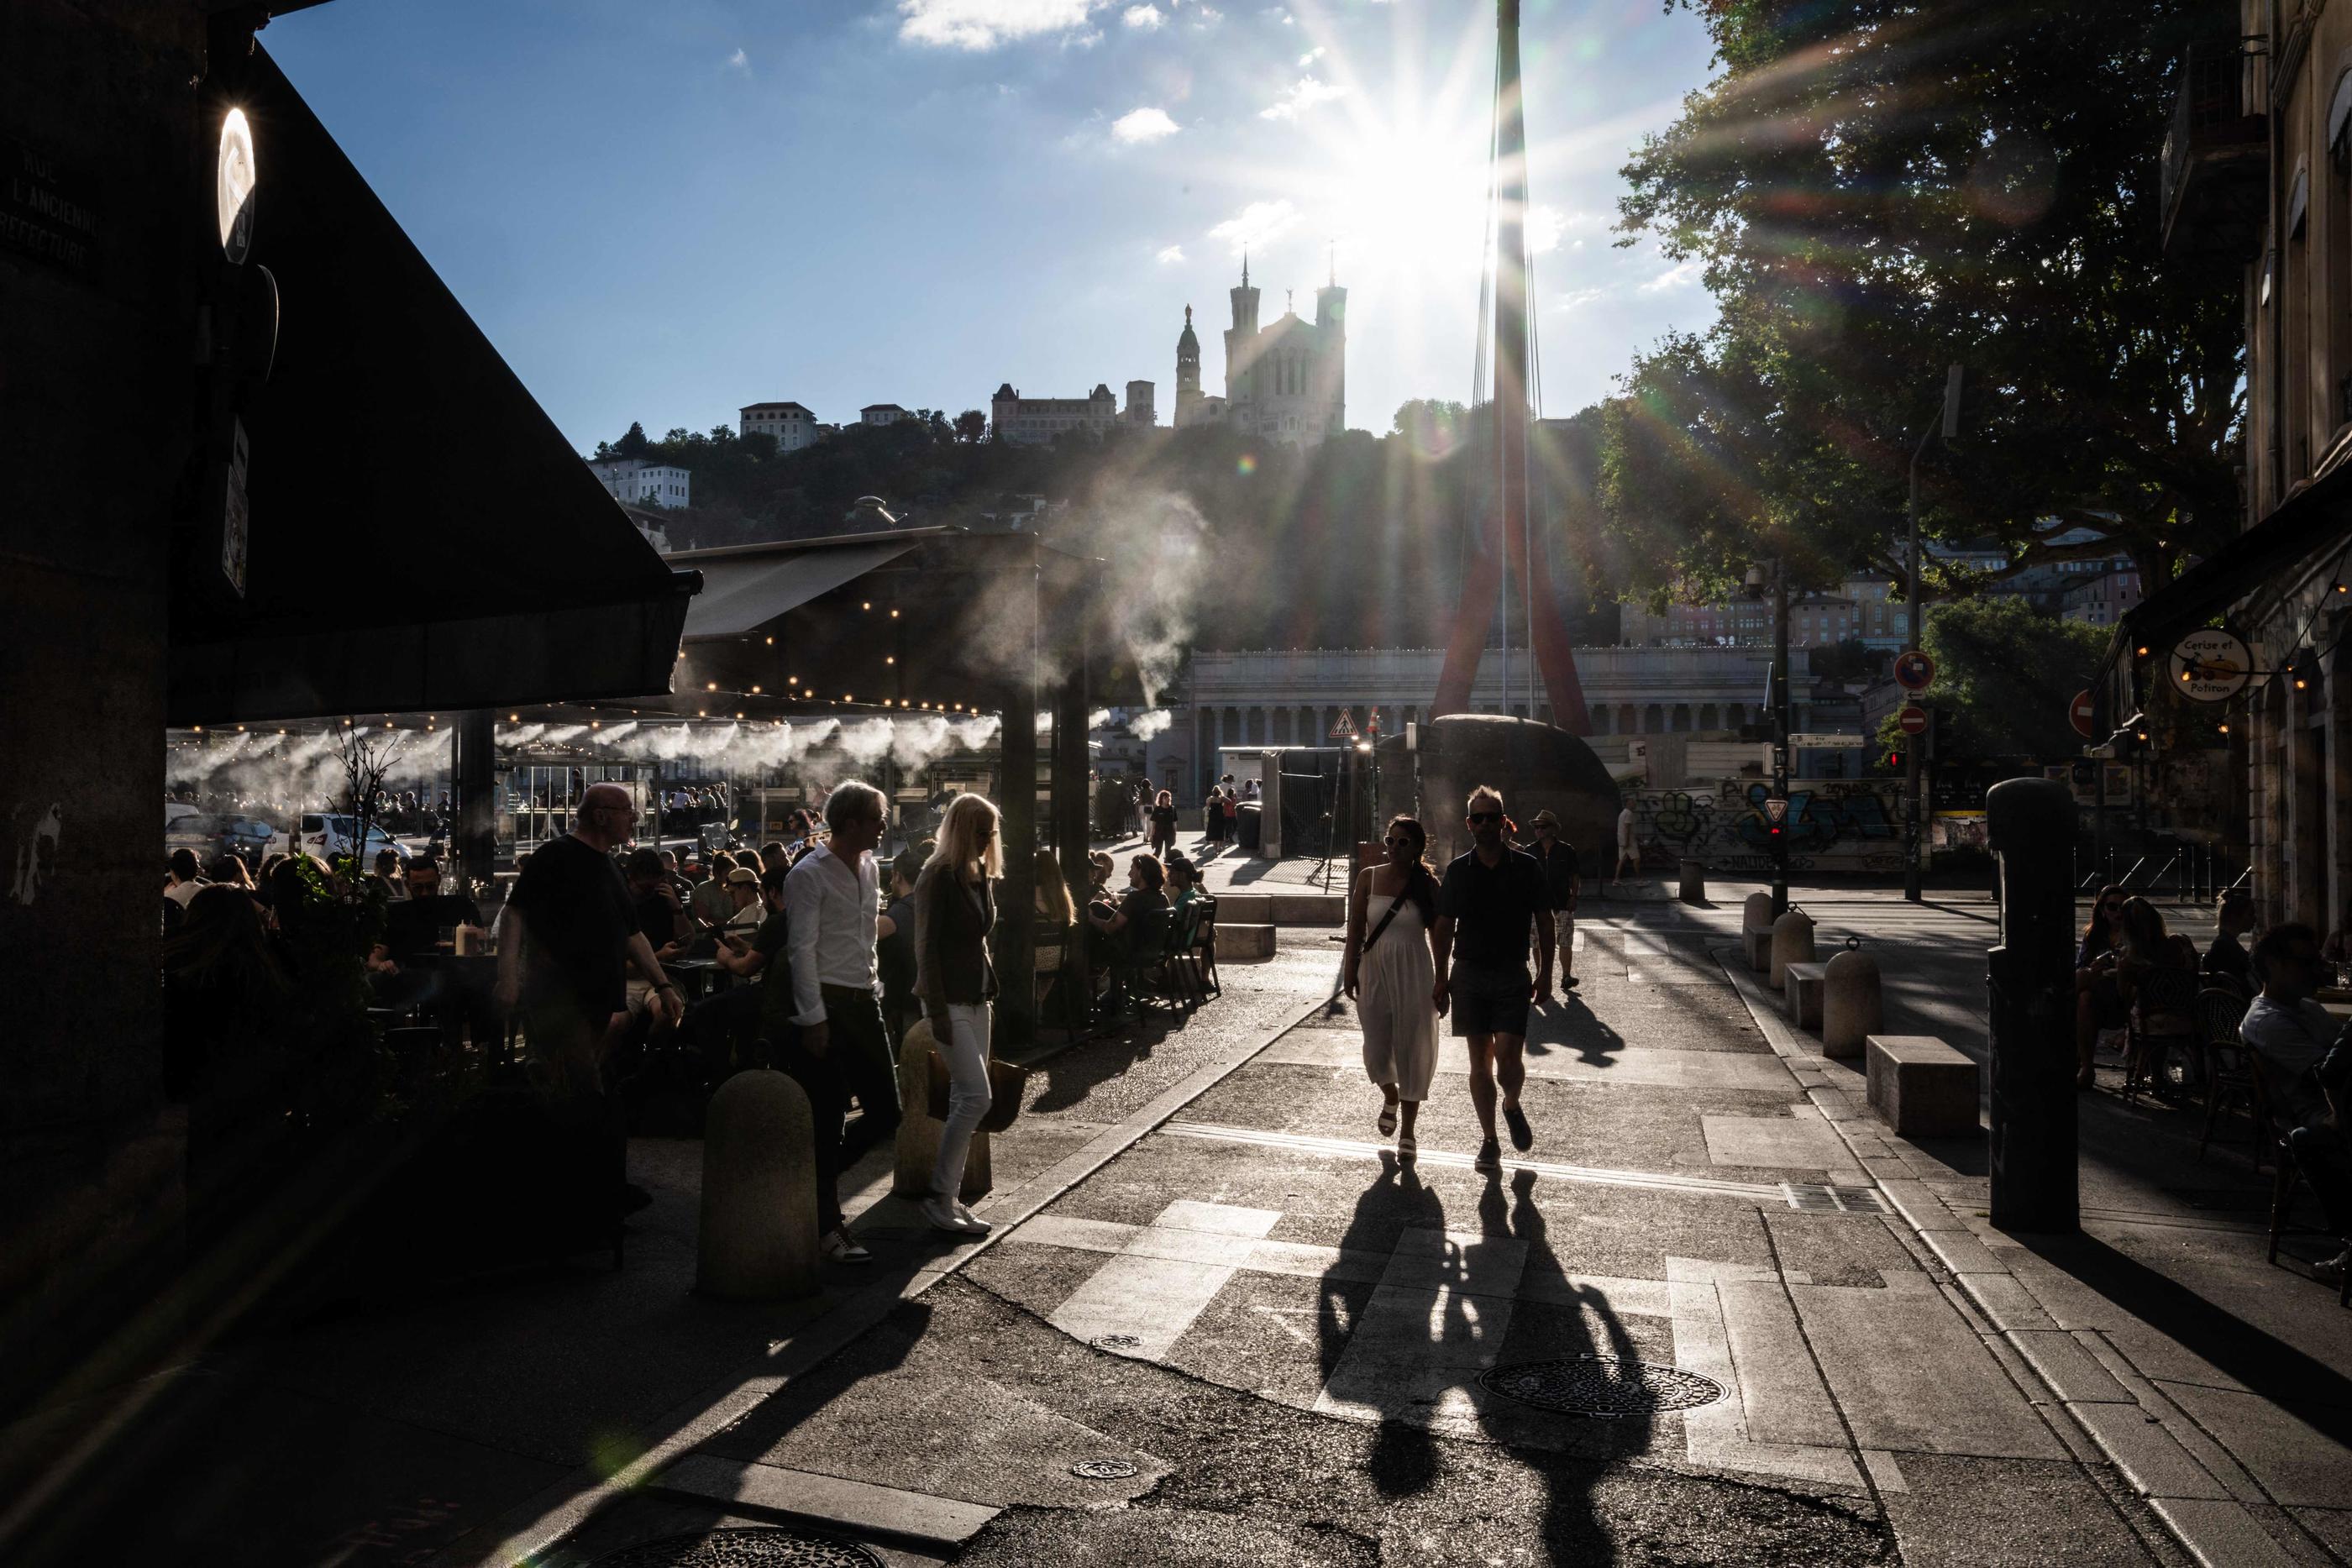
point(1478, 817)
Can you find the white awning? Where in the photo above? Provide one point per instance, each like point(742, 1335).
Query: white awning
point(741, 595)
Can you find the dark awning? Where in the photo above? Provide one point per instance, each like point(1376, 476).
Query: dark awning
point(421, 536)
point(2319, 517)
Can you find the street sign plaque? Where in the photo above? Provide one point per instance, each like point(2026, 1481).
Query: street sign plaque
point(1913, 720)
point(2211, 665)
point(1914, 671)
point(2081, 713)
point(1845, 742)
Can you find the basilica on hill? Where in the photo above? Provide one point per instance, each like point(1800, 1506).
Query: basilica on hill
point(1285, 382)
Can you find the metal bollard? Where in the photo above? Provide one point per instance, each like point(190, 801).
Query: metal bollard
point(1793, 942)
point(919, 1131)
point(1694, 881)
point(2029, 979)
point(757, 1240)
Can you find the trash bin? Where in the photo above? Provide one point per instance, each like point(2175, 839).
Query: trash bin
point(1247, 828)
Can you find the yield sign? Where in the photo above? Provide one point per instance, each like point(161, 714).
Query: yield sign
point(2080, 712)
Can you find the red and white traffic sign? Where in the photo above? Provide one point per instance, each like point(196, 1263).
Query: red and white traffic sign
point(2080, 712)
point(1913, 720)
point(1914, 671)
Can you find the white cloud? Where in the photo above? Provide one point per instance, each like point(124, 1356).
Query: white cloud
point(1681, 275)
point(1172, 255)
point(740, 61)
point(985, 24)
point(1578, 299)
point(1544, 225)
point(1142, 125)
point(1145, 17)
point(1309, 58)
point(1206, 16)
point(1303, 95)
point(1256, 223)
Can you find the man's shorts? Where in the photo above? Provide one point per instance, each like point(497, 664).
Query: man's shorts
point(1488, 1001)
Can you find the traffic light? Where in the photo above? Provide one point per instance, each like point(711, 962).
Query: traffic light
point(1893, 761)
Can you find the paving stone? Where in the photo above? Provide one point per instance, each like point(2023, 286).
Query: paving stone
point(2070, 1370)
point(1910, 1376)
point(1966, 1512)
point(2220, 1534)
point(2298, 1465)
point(1786, 1401)
point(2155, 1465)
point(831, 1502)
point(2005, 1303)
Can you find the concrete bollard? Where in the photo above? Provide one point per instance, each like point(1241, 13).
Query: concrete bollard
point(1793, 942)
point(918, 1130)
point(1851, 1008)
point(757, 1240)
point(1694, 881)
point(1755, 930)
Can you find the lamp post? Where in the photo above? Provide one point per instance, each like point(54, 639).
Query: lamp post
point(1778, 807)
point(1949, 427)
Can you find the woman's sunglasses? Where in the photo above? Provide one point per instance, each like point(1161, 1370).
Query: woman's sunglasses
point(1393, 840)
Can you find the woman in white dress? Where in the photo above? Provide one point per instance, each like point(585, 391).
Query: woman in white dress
point(1391, 972)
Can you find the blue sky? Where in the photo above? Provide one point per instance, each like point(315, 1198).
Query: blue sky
point(663, 212)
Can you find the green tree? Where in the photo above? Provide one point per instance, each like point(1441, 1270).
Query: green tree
point(633, 441)
point(1874, 189)
point(971, 426)
point(2004, 677)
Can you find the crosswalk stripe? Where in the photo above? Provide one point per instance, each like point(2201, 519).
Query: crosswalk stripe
point(1343, 1148)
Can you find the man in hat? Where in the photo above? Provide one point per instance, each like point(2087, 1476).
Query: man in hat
point(1557, 858)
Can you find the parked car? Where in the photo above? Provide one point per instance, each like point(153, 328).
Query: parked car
point(250, 838)
point(205, 834)
point(330, 837)
point(198, 832)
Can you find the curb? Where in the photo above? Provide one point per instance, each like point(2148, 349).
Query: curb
point(2113, 1412)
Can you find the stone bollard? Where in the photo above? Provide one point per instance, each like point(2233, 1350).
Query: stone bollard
point(1793, 942)
point(1694, 881)
point(757, 1241)
point(918, 1130)
point(1850, 1010)
point(1755, 930)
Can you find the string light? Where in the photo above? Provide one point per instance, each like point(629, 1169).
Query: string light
point(889, 658)
point(894, 614)
point(772, 642)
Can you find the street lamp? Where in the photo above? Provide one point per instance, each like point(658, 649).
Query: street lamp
point(1758, 583)
point(1948, 427)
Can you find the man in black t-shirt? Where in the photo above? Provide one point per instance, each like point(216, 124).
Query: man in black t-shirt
point(1561, 884)
point(567, 964)
point(1491, 897)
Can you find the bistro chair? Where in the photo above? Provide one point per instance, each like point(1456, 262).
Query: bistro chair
point(1204, 945)
point(2286, 1177)
point(2148, 1059)
point(2228, 1083)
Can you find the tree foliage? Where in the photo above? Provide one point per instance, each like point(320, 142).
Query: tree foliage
point(2005, 676)
point(1876, 189)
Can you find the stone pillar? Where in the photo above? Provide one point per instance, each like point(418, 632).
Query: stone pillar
point(1852, 1006)
point(1793, 942)
point(918, 1130)
point(757, 1240)
point(473, 837)
point(1017, 943)
point(1071, 810)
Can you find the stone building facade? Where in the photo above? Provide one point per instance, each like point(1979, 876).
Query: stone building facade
point(1285, 382)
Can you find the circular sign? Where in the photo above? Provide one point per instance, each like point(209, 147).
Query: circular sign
point(1913, 720)
point(234, 178)
point(2081, 713)
point(1914, 671)
point(2211, 665)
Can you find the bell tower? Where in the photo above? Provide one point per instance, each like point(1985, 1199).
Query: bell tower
point(1188, 373)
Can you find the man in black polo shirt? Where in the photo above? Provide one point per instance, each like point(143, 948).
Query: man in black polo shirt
point(1491, 898)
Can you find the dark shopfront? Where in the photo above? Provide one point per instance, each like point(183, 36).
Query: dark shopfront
point(227, 407)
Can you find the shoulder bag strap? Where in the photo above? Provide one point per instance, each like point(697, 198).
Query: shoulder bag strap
point(1392, 915)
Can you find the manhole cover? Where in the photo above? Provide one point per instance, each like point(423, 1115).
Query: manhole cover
point(1606, 1386)
point(1102, 1469)
point(1813, 1198)
point(1117, 1341)
point(750, 1546)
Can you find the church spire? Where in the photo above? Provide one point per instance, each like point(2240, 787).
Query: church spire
point(1244, 267)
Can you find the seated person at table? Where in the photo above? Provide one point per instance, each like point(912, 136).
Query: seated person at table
point(710, 900)
point(743, 893)
point(2303, 1061)
point(1185, 877)
point(414, 924)
point(1053, 892)
point(1135, 929)
point(719, 1026)
point(386, 875)
point(661, 915)
point(2226, 959)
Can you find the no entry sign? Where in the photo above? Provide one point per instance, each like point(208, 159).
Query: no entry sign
point(1914, 671)
point(1912, 720)
point(2079, 712)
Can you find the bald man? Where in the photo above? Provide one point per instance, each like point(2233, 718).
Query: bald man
point(580, 938)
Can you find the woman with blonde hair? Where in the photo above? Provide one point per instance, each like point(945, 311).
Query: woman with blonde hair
point(955, 909)
point(1054, 891)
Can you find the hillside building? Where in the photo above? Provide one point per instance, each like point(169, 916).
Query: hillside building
point(1012, 417)
point(643, 484)
point(1287, 381)
point(792, 426)
point(882, 413)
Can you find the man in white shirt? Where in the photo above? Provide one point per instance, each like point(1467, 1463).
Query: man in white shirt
point(186, 882)
point(831, 900)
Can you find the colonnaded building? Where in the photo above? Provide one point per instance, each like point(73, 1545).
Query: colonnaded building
point(1294, 696)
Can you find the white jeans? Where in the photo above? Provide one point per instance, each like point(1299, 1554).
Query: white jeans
point(965, 1050)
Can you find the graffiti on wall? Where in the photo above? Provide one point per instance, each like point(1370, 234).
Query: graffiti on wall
point(1834, 825)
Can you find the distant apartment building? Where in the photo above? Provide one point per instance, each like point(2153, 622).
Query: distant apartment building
point(792, 426)
point(2101, 600)
point(1012, 417)
point(643, 484)
point(1142, 408)
point(1861, 610)
point(882, 413)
